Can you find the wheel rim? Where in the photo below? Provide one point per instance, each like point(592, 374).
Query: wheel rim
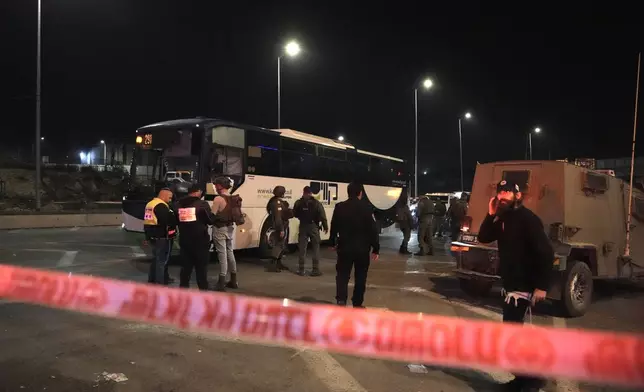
point(578, 289)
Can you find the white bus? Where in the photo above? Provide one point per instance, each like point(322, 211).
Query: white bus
point(257, 160)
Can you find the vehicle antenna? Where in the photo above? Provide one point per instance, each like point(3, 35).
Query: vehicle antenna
point(627, 250)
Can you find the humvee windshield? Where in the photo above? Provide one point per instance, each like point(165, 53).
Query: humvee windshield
point(519, 177)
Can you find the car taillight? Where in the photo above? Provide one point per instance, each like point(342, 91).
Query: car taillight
point(467, 224)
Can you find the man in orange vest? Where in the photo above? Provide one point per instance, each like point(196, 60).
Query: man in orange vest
point(159, 223)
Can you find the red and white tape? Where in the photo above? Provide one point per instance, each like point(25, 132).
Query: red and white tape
point(600, 357)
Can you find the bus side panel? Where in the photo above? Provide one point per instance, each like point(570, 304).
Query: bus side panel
point(256, 191)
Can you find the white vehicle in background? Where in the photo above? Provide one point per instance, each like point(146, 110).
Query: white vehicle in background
point(178, 176)
point(257, 160)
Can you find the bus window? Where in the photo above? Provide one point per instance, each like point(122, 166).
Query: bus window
point(359, 167)
point(226, 161)
point(262, 149)
point(299, 159)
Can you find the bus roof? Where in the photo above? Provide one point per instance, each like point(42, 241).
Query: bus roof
point(289, 133)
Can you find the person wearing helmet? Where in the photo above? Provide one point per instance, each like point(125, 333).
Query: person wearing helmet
point(279, 214)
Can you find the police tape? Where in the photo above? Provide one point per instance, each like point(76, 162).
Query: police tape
point(600, 357)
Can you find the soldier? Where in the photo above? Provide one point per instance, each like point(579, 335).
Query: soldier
point(405, 221)
point(227, 208)
point(311, 214)
point(456, 213)
point(425, 213)
point(195, 216)
point(439, 217)
point(160, 228)
point(279, 214)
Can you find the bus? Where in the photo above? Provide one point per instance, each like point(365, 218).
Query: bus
point(257, 159)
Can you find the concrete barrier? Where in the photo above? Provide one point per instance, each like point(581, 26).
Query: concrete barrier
point(42, 221)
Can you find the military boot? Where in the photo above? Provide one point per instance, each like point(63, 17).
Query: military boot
point(316, 271)
point(300, 270)
point(232, 284)
point(273, 267)
point(221, 283)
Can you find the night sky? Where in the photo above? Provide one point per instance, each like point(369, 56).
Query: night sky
point(110, 66)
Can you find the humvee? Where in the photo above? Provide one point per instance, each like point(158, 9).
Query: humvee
point(584, 214)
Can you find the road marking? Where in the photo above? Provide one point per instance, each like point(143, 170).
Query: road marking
point(562, 384)
point(330, 372)
point(67, 259)
point(88, 244)
point(15, 231)
point(137, 251)
point(44, 250)
point(74, 228)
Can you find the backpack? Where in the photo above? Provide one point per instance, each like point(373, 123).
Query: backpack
point(232, 213)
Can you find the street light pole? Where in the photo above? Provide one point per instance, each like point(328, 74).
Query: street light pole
point(38, 89)
point(279, 91)
point(416, 142)
point(460, 148)
point(292, 49)
point(427, 84)
point(530, 144)
point(104, 155)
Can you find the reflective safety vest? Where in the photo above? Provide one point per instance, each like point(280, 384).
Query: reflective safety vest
point(150, 219)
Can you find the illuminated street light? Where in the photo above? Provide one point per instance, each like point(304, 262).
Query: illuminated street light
point(104, 154)
point(467, 116)
point(341, 138)
point(424, 172)
point(427, 84)
point(292, 49)
point(42, 138)
point(536, 130)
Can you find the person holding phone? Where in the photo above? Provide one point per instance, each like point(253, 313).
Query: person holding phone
point(525, 255)
point(354, 234)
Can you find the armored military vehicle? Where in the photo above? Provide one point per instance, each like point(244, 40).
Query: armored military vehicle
point(584, 213)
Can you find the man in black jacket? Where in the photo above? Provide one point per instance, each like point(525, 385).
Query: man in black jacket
point(525, 255)
point(354, 234)
point(195, 215)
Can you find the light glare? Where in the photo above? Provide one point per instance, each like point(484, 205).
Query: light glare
point(468, 115)
point(537, 130)
point(341, 138)
point(427, 83)
point(292, 49)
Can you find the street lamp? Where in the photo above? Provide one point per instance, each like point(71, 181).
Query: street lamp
point(424, 172)
point(427, 84)
point(291, 49)
point(341, 138)
point(467, 116)
point(536, 130)
point(104, 154)
point(38, 89)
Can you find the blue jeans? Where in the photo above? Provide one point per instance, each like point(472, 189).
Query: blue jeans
point(223, 239)
point(161, 249)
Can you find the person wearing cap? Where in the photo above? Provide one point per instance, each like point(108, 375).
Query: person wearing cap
point(195, 216)
point(159, 225)
point(279, 214)
point(311, 214)
point(525, 256)
point(223, 231)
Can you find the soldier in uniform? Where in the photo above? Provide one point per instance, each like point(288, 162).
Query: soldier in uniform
point(439, 217)
point(425, 213)
point(159, 225)
point(279, 214)
point(405, 221)
point(311, 214)
point(195, 215)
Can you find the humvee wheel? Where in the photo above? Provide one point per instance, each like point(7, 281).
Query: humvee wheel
point(577, 291)
point(475, 287)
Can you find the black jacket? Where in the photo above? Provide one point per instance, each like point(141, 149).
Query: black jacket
point(166, 222)
point(310, 211)
point(194, 216)
point(525, 252)
point(353, 227)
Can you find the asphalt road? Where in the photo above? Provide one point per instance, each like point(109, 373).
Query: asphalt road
point(51, 350)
